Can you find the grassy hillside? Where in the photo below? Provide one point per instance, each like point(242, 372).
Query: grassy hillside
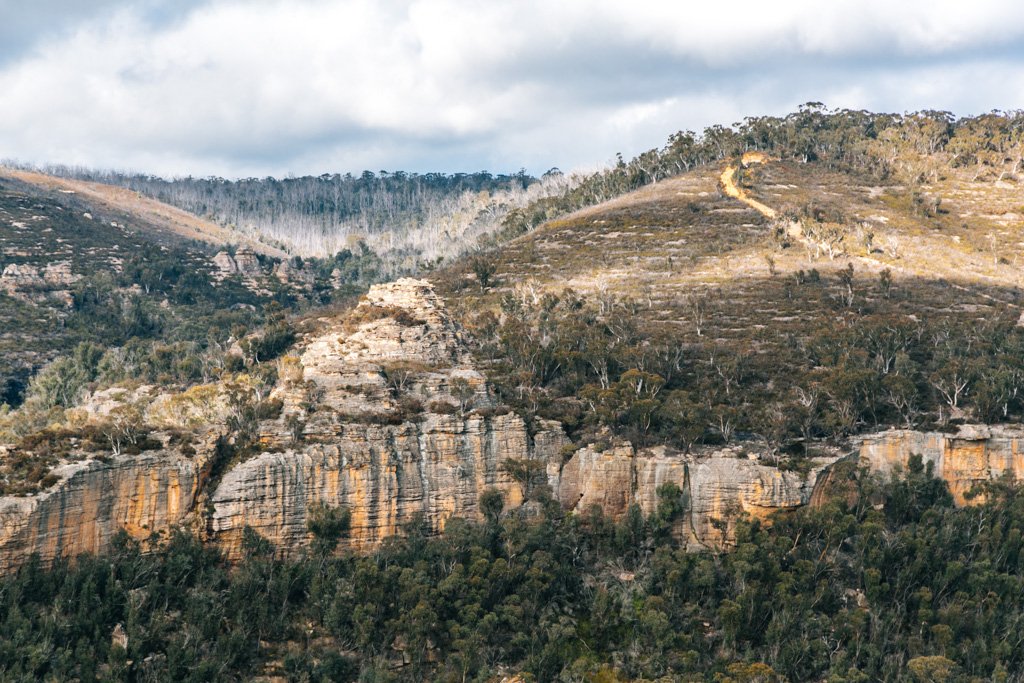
point(864, 302)
point(77, 271)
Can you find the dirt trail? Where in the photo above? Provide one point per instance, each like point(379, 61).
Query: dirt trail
point(731, 189)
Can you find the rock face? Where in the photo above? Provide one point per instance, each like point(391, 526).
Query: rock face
point(94, 500)
point(718, 487)
point(385, 413)
point(30, 283)
point(245, 262)
point(972, 456)
point(387, 475)
point(225, 263)
point(248, 263)
point(402, 427)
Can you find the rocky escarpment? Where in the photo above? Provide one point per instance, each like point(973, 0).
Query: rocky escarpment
point(30, 283)
point(384, 412)
point(718, 487)
point(388, 476)
point(973, 455)
point(94, 500)
point(246, 264)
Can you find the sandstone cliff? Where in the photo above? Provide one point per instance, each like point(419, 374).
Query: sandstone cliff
point(719, 487)
point(973, 455)
point(396, 424)
point(94, 500)
point(387, 475)
point(384, 412)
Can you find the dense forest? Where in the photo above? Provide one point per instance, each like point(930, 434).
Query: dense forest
point(888, 581)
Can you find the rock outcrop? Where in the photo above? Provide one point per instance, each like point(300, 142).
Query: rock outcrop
point(973, 455)
point(382, 412)
point(385, 413)
point(245, 262)
point(388, 476)
point(39, 285)
point(290, 274)
point(396, 424)
point(94, 500)
point(719, 487)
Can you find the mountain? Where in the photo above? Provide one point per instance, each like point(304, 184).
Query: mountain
point(747, 407)
point(733, 330)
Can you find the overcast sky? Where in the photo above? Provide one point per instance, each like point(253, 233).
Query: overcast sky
point(272, 87)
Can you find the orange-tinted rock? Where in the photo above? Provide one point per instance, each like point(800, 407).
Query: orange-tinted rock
point(94, 500)
point(387, 476)
point(974, 455)
point(719, 487)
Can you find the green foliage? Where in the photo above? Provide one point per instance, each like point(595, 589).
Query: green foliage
point(270, 343)
point(328, 526)
point(889, 583)
point(63, 381)
point(492, 503)
point(591, 365)
point(484, 268)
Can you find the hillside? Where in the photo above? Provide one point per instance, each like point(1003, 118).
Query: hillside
point(840, 303)
point(159, 221)
point(745, 408)
point(410, 220)
point(85, 263)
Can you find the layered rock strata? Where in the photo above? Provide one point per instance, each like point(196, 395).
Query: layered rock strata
point(94, 500)
point(382, 412)
point(32, 284)
point(973, 455)
point(718, 487)
point(388, 476)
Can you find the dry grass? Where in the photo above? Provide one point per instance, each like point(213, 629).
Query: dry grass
point(135, 209)
point(663, 244)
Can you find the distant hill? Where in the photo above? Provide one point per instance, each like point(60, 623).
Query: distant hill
point(160, 221)
point(411, 220)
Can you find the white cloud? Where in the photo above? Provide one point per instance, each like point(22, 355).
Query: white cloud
point(306, 86)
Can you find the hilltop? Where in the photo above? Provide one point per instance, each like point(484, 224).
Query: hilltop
point(797, 340)
point(780, 299)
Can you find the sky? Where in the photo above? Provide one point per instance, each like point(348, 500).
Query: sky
point(249, 88)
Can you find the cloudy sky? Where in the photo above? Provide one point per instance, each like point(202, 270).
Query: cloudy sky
point(271, 87)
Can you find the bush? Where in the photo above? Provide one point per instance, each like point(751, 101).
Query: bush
point(443, 408)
